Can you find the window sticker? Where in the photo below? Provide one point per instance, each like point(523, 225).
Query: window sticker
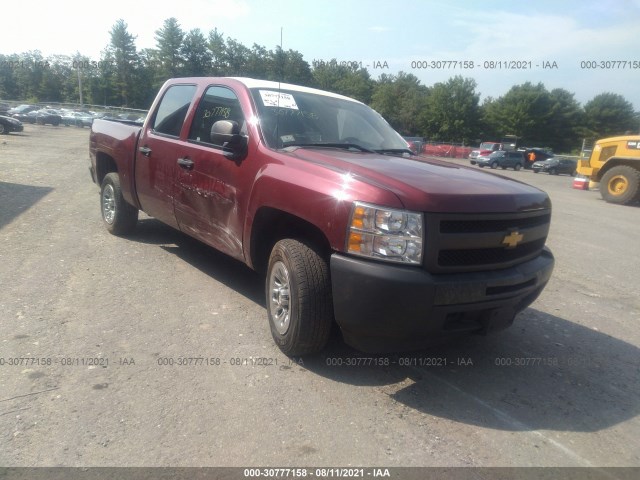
point(287, 138)
point(278, 99)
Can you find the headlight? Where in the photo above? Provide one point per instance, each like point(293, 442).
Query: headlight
point(385, 234)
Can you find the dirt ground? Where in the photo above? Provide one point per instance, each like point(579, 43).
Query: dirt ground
point(93, 329)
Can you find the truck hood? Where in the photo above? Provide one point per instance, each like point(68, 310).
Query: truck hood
point(425, 184)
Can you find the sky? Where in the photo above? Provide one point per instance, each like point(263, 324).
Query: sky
point(588, 46)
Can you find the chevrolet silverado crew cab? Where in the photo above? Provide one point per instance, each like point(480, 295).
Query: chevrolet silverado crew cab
point(317, 191)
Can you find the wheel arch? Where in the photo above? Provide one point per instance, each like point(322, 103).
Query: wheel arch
point(617, 162)
point(104, 164)
point(271, 225)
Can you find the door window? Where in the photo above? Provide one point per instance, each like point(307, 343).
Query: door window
point(173, 110)
point(218, 103)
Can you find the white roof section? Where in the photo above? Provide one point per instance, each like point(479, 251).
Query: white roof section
point(254, 83)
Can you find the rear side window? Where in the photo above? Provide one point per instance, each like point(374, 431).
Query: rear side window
point(173, 109)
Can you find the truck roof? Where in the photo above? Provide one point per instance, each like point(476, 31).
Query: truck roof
point(255, 83)
point(620, 138)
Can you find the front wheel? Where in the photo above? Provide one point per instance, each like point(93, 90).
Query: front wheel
point(298, 295)
point(494, 165)
point(620, 185)
point(119, 217)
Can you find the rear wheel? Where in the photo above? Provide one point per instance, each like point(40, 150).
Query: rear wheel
point(517, 167)
point(553, 171)
point(298, 295)
point(620, 185)
point(119, 217)
point(2, 130)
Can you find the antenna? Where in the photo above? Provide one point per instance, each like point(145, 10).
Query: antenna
point(279, 90)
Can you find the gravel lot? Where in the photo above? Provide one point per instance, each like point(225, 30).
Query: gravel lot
point(97, 320)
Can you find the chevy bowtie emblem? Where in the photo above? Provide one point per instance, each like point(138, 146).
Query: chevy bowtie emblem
point(513, 239)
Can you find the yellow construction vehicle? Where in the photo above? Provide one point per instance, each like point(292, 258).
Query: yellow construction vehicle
point(614, 163)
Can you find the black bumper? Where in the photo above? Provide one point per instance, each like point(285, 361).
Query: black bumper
point(384, 307)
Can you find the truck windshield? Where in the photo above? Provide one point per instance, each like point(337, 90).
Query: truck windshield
point(487, 146)
point(289, 117)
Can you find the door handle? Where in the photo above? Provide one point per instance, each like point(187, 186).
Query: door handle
point(185, 163)
point(146, 151)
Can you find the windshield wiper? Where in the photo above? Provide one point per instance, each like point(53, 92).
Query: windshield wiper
point(345, 146)
point(386, 151)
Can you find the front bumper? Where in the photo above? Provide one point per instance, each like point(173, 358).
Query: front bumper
point(384, 307)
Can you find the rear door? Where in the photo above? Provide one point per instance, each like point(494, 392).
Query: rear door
point(158, 151)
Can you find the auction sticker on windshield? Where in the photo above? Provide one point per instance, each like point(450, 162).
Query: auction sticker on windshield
point(278, 99)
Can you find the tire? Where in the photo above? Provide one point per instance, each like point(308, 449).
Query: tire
point(553, 171)
point(504, 168)
point(2, 129)
point(536, 171)
point(517, 167)
point(119, 217)
point(494, 165)
point(620, 185)
point(481, 166)
point(298, 297)
point(55, 122)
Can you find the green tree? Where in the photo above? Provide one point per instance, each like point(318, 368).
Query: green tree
point(217, 47)
point(452, 111)
point(291, 67)
point(346, 80)
point(260, 63)
point(196, 55)
point(235, 58)
point(610, 114)
point(169, 49)
point(400, 99)
point(566, 121)
point(122, 54)
point(523, 111)
point(9, 86)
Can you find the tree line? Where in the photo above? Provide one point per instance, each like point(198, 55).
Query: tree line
point(448, 111)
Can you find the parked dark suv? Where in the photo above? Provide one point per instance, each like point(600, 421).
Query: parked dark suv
point(555, 166)
point(502, 159)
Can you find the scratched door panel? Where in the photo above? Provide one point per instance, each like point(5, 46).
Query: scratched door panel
point(206, 201)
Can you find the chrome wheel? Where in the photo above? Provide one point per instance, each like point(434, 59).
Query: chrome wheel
point(279, 302)
point(108, 204)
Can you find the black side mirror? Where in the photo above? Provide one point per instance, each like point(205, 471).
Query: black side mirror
point(227, 134)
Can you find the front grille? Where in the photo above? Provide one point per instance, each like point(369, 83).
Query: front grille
point(485, 256)
point(468, 243)
point(474, 226)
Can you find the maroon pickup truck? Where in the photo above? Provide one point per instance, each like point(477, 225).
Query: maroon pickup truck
point(320, 193)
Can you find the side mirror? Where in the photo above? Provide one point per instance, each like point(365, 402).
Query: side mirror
point(227, 134)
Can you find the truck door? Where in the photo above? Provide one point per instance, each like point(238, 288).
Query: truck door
point(158, 152)
point(207, 180)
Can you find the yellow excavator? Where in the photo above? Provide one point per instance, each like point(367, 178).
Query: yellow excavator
point(614, 163)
